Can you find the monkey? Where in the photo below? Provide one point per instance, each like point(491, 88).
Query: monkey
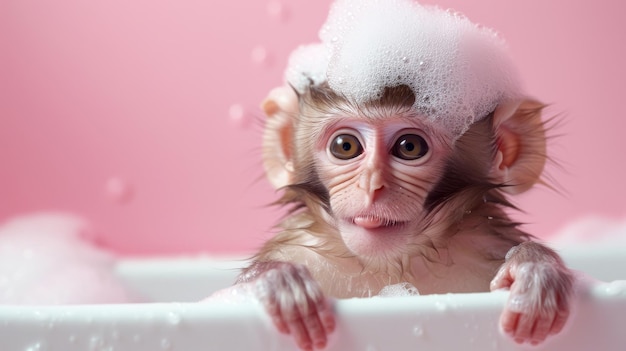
point(381, 192)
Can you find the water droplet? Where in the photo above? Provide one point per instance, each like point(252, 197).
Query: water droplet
point(418, 331)
point(405, 59)
point(36, 347)
point(441, 306)
point(173, 318)
point(119, 190)
point(96, 343)
point(276, 10)
point(71, 339)
point(166, 344)
point(238, 115)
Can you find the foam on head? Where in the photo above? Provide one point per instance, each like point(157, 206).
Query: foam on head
point(458, 71)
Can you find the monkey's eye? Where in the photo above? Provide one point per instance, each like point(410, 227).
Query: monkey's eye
point(410, 147)
point(345, 147)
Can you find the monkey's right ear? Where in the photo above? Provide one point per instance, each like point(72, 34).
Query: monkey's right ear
point(280, 107)
point(521, 154)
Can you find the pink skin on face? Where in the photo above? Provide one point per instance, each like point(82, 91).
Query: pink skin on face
point(374, 191)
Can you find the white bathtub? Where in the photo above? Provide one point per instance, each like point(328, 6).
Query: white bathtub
point(435, 322)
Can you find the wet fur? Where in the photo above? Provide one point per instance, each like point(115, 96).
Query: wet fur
point(463, 197)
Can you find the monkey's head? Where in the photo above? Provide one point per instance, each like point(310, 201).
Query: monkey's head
point(393, 153)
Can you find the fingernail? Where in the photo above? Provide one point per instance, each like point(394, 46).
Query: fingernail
point(320, 344)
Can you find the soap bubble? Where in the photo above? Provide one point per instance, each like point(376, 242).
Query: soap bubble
point(368, 45)
point(398, 290)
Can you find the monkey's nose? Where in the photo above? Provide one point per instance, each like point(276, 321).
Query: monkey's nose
point(370, 182)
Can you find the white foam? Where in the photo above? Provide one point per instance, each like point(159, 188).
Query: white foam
point(398, 290)
point(52, 259)
point(591, 230)
point(459, 71)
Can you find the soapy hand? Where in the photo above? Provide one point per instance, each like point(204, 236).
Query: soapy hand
point(296, 304)
point(539, 299)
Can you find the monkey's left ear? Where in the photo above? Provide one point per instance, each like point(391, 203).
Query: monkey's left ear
point(521, 141)
point(280, 107)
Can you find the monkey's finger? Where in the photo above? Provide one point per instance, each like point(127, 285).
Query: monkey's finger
point(559, 320)
point(314, 310)
point(502, 280)
point(542, 328)
point(524, 329)
point(274, 310)
point(290, 309)
point(322, 306)
point(267, 291)
point(316, 330)
point(327, 316)
point(301, 334)
point(320, 321)
point(508, 321)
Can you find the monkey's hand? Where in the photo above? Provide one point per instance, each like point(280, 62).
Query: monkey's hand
point(540, 292)
point(296, 303)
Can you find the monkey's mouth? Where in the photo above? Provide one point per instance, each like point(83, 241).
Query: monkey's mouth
point(375, 222)
point(370, 235)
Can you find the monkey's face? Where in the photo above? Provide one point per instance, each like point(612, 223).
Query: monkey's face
point(378, 173)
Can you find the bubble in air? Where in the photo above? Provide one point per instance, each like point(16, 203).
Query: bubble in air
point(119, 190)
point(277, 10)
point(238, 115)
point(260, 56)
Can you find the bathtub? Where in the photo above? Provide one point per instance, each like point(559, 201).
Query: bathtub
point(434, 322)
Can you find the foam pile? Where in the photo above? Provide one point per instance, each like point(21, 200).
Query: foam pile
point(592, 230)
point(398, 290)
point(51, 259)
point(459, 71)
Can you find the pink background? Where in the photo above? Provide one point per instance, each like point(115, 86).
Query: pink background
point(142, 116)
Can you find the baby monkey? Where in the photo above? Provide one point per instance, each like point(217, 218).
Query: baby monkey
point(381, 197)
point(384, 190)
